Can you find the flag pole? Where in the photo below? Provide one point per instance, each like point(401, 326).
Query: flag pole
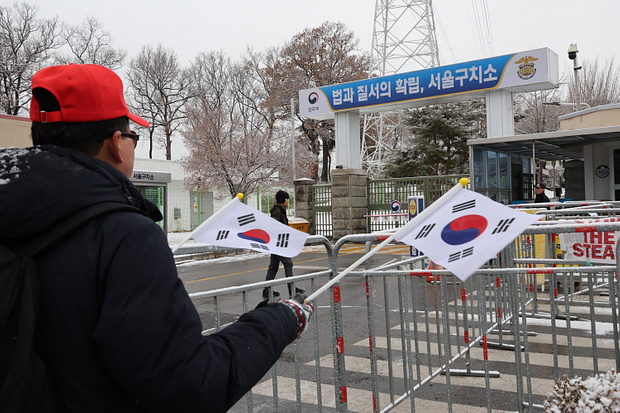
point(233, 201)
point(442, 200)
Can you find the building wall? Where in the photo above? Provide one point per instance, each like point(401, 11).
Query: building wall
point(597, 117)
point(14, 132)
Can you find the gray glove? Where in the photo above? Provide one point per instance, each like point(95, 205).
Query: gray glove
point(302, 310)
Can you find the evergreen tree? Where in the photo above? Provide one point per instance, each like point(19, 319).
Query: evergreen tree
point(439, 145)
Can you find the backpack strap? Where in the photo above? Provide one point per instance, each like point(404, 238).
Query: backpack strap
point(63, 228)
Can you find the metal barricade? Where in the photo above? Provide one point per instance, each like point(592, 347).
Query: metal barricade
point(405, 338)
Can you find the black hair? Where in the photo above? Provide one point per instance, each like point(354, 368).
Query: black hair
point(281, 196)
point(86, 137)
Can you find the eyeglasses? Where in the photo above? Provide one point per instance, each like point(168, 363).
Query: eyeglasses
point(133, 136)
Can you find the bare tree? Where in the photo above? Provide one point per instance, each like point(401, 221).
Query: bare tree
point(89, 43)
point(270, 97)
point(533, 115)
point(160, 90)
point(319, 57)
point(599, 84)
point(232, 141)
point(26, 43)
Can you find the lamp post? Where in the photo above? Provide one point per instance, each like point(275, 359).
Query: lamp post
point(572, 55)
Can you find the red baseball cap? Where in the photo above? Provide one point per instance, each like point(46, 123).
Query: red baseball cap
point(85, 93)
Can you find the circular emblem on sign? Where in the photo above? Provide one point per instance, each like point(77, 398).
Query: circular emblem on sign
point(413, 207)
point(313, 98)
point(527, 67)
point(602, 171)
point(395, 206)
point(464, 229)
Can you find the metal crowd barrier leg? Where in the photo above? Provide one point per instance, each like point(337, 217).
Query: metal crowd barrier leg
point(406, 350)
point(317, 353)
point(483, 328)
point(340, 372)
point(446, 336)
point(592, 321)
point(414, 312)
point(371, 335)
point(388, 335)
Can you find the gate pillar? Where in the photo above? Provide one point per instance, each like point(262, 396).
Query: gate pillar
point(349, 202)
point(304, 201)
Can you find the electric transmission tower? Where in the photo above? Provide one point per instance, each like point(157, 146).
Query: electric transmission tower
point(403, 40)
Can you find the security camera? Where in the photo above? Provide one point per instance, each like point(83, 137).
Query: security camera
point(572, 51)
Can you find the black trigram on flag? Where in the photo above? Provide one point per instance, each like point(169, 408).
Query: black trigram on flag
point(503, 226)
point(461, 254)
point(222, 234)
point(426, 229)
point(246, 219)
point(463, 206)
point(259, 246)
point(283, 240)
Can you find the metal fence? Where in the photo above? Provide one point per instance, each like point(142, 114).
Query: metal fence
point(381, 193)
point(404, 338)
point(322, 210)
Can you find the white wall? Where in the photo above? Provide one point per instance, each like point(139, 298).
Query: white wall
point(596, 187)
point(179, 196)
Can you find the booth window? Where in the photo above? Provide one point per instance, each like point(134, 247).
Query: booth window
point(492, 175)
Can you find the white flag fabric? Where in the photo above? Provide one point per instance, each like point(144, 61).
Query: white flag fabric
point(466, 231)
point(241, 226)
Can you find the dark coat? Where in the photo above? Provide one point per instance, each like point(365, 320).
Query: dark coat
point(118, 332)
point(279, 213)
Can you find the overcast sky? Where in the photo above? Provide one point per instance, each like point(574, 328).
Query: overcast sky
point(190, 27)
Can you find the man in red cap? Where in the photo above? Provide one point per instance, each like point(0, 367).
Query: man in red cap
point(117, 330)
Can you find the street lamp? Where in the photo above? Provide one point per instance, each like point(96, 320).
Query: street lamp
point(572, 55)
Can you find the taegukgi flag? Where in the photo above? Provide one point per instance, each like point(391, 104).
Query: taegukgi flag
point(466, 231)
point(241, 226)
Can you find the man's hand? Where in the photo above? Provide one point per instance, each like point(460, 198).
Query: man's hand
point(302, 310)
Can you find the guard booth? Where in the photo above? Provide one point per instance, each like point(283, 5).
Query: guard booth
point(153, 185)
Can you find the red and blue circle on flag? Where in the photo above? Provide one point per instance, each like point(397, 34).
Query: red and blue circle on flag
point(464, 229)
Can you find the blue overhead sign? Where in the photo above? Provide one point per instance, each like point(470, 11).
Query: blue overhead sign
point(524, 71)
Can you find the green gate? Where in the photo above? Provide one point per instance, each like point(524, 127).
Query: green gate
point(382, 192)
point(322, 210)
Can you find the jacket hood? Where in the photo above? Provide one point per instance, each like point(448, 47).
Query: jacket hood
point(42, 185)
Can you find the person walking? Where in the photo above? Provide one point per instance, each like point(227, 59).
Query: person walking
point(278, 212)
point(117, 331)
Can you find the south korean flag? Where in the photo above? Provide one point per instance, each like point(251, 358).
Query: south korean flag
point(241, 226)
point(466, 231)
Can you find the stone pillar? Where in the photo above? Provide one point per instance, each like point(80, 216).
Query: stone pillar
point(304, 201)
point(349, 202)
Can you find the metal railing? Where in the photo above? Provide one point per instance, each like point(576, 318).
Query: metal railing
point(402, 336)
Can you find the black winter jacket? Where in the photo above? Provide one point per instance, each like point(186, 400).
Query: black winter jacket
point(279, 213)
point(118, 331)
